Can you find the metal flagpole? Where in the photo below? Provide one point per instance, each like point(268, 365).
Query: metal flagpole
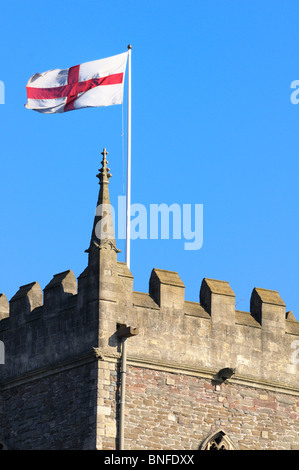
point(128, 228)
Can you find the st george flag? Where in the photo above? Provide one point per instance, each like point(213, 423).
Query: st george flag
point(92, 84)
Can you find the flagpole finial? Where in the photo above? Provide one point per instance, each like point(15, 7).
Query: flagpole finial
point(129, 46)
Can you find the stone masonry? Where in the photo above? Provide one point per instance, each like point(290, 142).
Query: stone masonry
point(198, 375)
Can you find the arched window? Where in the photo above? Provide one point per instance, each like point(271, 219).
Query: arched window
point(218, 440)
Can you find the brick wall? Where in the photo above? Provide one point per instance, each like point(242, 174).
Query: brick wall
point(176, 411)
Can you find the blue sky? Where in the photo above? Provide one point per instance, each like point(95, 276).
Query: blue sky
point(212, 124)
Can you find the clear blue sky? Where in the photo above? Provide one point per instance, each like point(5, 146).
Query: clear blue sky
point(212, 124)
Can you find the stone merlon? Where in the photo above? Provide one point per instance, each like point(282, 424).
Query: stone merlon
point(167, 289)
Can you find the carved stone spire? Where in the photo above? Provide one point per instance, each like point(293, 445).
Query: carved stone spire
point(103, 229)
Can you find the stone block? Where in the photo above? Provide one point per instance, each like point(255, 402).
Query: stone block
point(60, 289)
point(124, 286)
point(126, 278)
point(28, 298)
point(268, 308)
point(167, 289)
point(110, 429)
point(218, 299)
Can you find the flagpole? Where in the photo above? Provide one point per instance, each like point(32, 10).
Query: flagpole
point(128, 219)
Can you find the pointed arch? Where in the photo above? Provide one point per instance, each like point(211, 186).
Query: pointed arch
point(218, 440)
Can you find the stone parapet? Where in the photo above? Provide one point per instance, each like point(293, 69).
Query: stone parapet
point(211, 333)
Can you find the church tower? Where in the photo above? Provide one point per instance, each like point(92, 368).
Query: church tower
point(92, 364)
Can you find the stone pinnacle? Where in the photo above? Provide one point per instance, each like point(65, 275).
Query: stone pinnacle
point(104, 174)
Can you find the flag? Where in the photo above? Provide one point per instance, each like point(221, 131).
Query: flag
point(96, 83)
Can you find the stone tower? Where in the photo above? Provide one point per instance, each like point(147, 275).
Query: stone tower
point(92, 364)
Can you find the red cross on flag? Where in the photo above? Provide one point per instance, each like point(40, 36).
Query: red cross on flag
point(92, 84)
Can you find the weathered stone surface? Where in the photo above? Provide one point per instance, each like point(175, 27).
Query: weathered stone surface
point(60, 289)
point(167, 289)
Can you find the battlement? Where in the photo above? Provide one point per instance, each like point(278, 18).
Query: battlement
point(41, 328)
point(72, 318)
point(166, 291)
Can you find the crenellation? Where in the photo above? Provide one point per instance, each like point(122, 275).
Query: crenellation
point(290, 316)
point(208, 333)
point(27, 299)
point(268, 308)
point(167, 289)
point(61, 288)
point(218, 299)
point(292, 325)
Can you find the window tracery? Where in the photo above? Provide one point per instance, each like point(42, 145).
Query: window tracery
point(217, 441)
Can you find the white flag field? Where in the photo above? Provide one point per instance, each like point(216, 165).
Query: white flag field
point(91, 84)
